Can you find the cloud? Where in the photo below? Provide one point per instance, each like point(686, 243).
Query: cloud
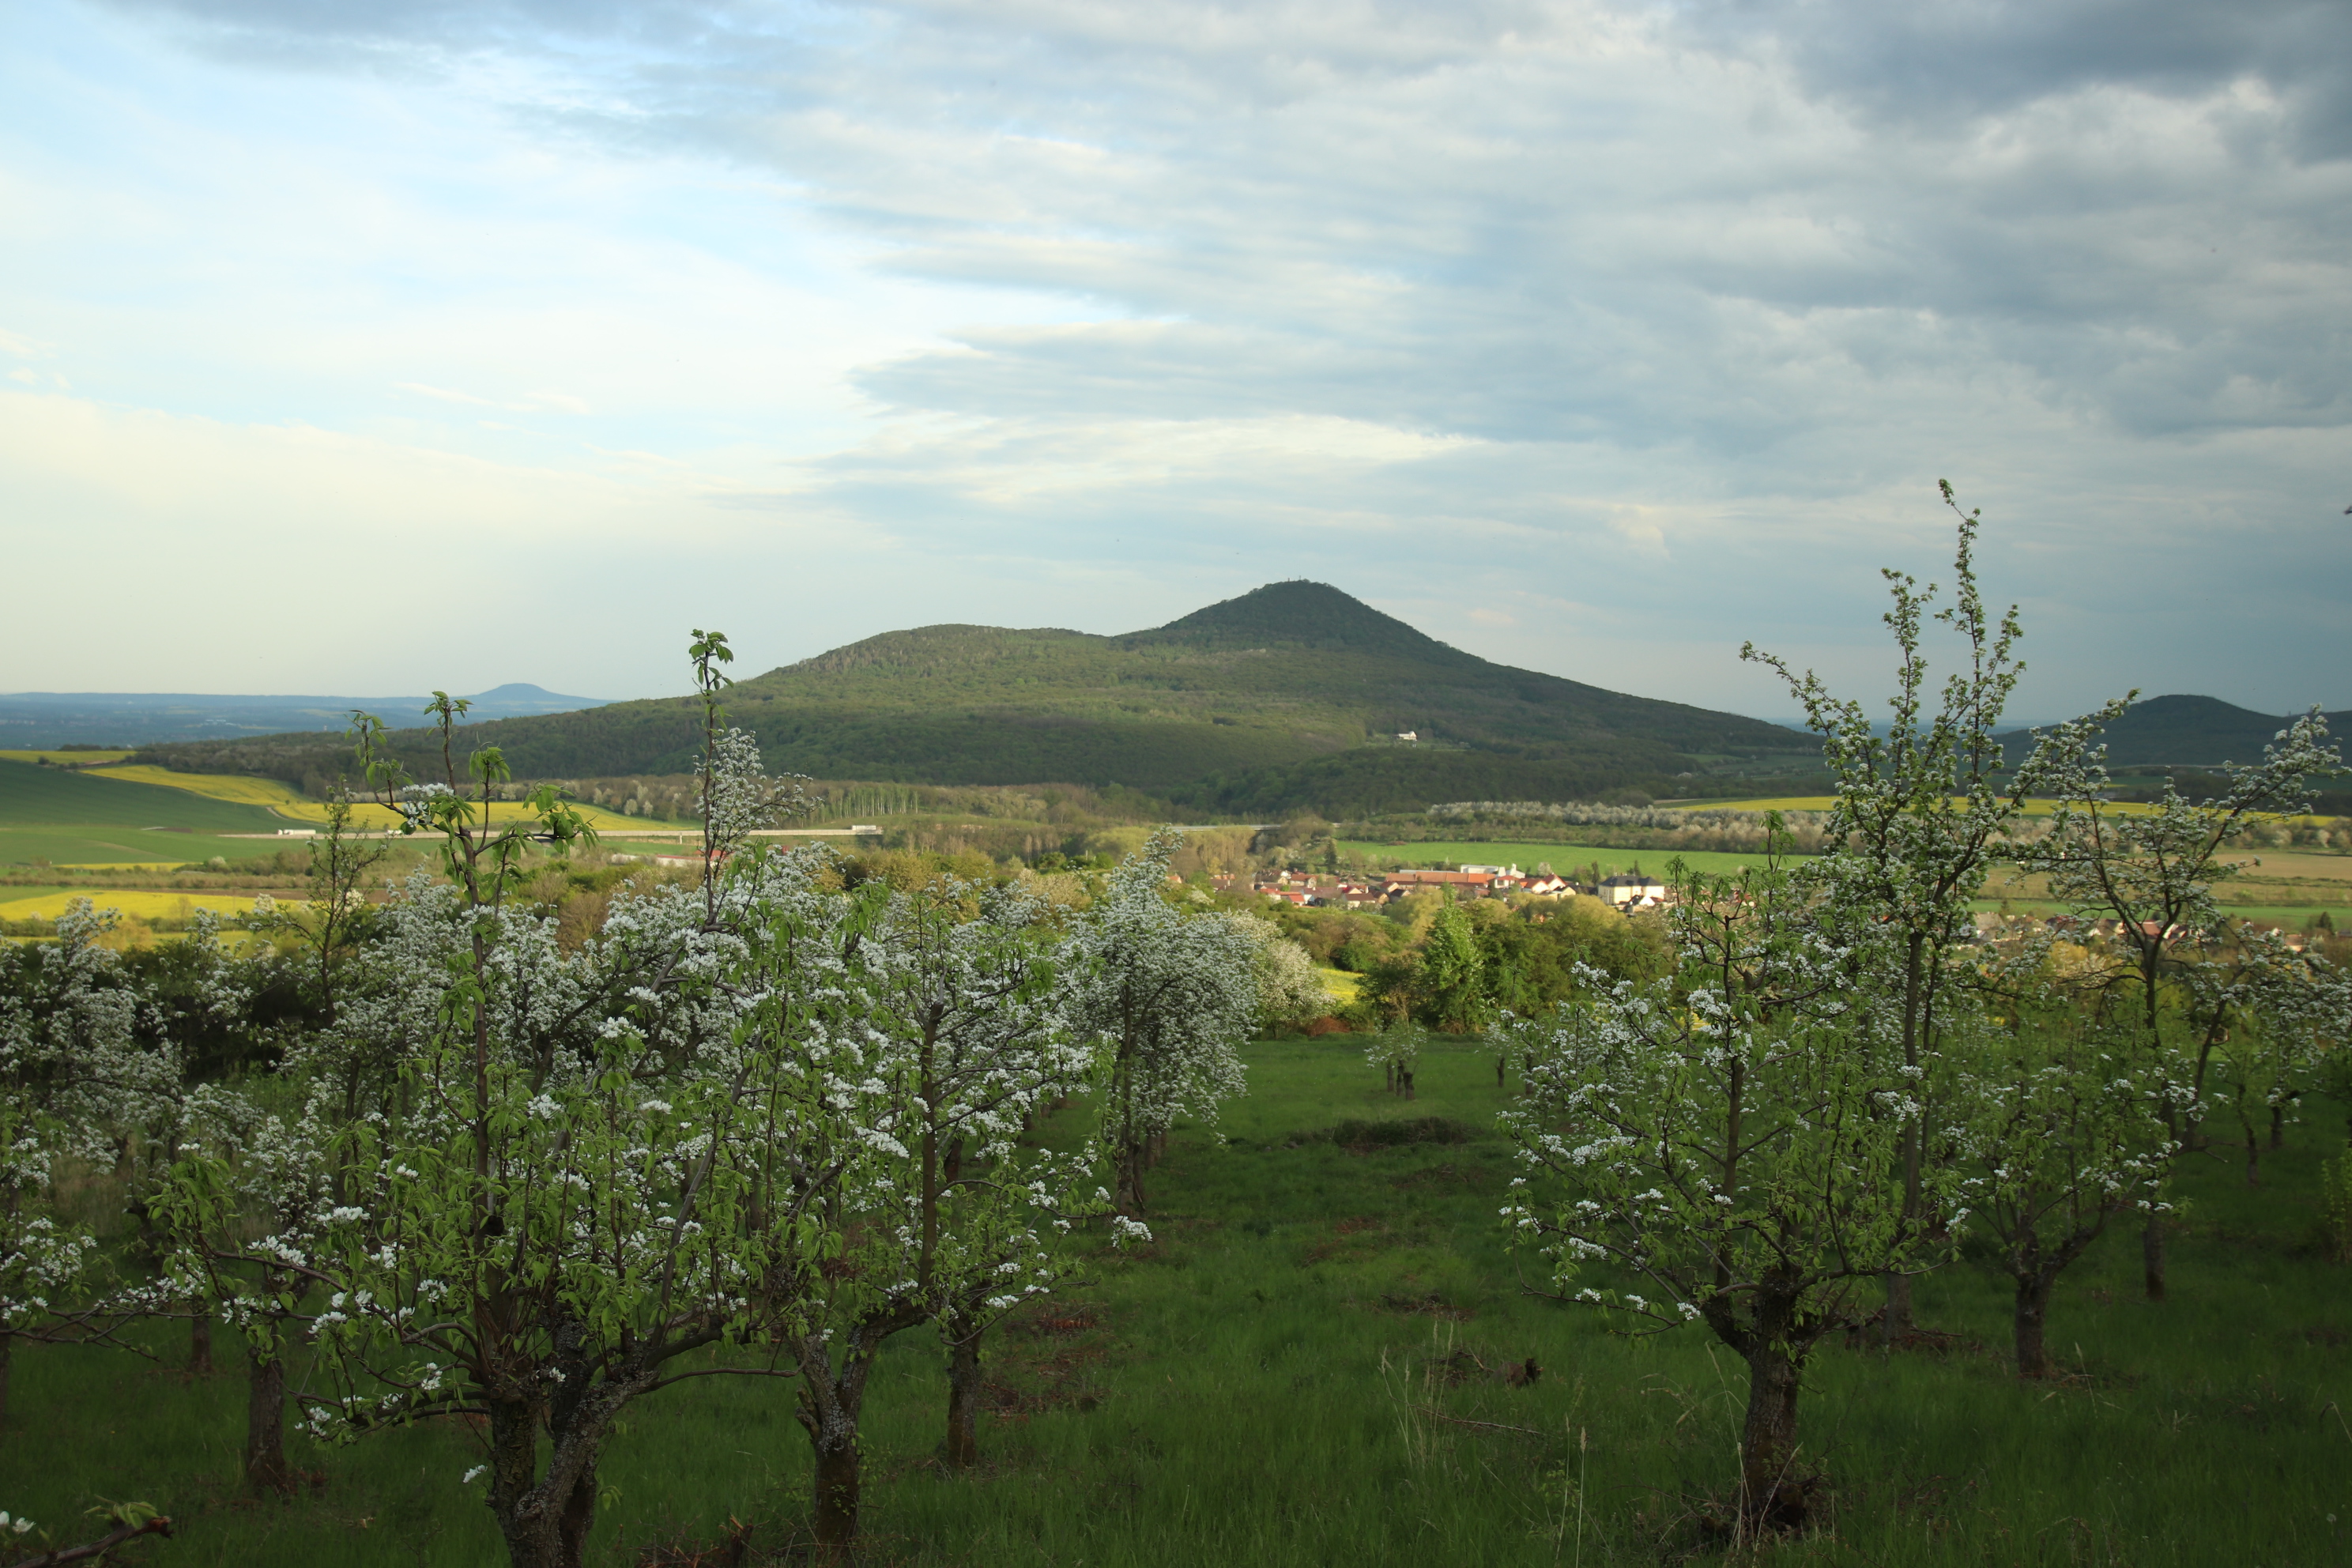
point(1948, 60)
point(531, 402)
point(1573, 311)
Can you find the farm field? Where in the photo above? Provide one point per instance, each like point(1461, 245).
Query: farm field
point(146, 904)
point(2287, 888)
point(1560, 858)
point(67, 758)
point(53, 797)
point(1303, 1368)
point(123, 846)
point(289, 805)
point(65, 818)
point(152, 819)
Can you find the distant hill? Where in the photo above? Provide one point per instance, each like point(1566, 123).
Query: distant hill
point(1286, 698)
point(2186, 732)
point(32, 720)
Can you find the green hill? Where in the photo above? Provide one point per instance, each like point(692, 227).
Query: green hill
point(2186, 732)
point(1288, 698)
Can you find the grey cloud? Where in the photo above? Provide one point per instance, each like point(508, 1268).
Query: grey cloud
point(1516, 219)
point(1930, 59)
point(1758, 267)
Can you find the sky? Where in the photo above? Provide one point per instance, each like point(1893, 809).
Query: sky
point(430, 343)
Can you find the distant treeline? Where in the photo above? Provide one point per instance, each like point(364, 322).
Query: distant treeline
point(1597, 824)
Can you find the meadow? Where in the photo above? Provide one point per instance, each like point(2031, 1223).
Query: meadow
point(68, 818)
point(292, 805)
point(116, 822)
point(2286, 887)
point(1564, 858)
point(1306, 1365)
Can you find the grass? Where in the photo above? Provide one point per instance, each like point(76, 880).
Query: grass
point(284, 801)
point(62, 818)
point(122, 845)
point(52, 797)
point(2267, 892)
point(150, 816)
point(1303, 1368)
point(1563, 859)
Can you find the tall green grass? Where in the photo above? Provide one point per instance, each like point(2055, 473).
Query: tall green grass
point(1307, 1366)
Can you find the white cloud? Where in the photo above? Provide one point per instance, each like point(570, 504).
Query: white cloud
point(1642, 329)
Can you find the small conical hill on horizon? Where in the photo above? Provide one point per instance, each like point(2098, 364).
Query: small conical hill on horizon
point(1288, 698)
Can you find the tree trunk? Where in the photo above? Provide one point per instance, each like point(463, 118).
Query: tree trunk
point(1499, 1060)
point(830, 1403)
point(1405, 1081)
point(7, 1357)
point(1895, 1324)
point(514, 1470)
point(266, 1469)
point(200, 1344)
point(838, 1485)
point(962, 1449)
point(2151, 1256)
point(2032, 1319)
point(1129, 1174)
point(2278, 1126)
point(1770, 1498)
point(578, 1518)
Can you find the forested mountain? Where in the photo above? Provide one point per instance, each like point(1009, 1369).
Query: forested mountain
point(2186, 732)
point(1288, 698)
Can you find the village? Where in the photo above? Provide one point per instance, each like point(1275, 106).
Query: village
point(1626, 890)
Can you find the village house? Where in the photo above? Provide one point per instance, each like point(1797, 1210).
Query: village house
point(1628, 889)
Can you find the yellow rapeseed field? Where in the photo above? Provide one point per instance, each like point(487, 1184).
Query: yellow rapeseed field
point(290, 803)
point(213, 786)
point(142, 904)
point(1342, 985)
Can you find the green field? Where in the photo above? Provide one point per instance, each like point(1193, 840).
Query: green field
point(1301, 1371)
point(68, 818)
point(1576, 860)
point(53, 797)
point(1564, 858)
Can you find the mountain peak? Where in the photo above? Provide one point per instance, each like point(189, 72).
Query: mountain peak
point(1299, 614)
